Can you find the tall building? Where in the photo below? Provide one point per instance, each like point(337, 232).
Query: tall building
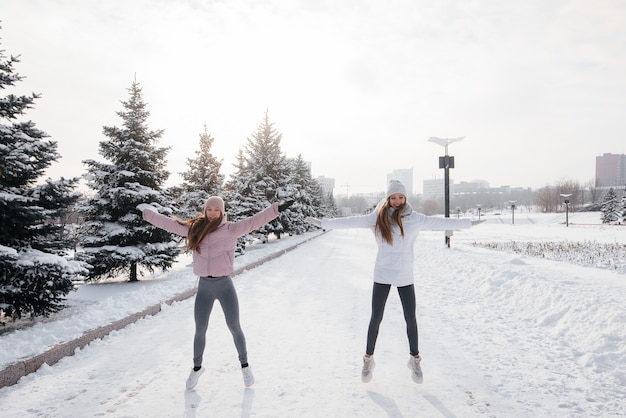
point(610, 170)
point(327, 185)
point(473, 186)
point(435, 188)
point(405, 176)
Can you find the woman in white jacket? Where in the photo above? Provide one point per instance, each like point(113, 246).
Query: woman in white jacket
point(395, 227)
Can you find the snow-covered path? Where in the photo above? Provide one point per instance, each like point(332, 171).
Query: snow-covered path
point(501, 336)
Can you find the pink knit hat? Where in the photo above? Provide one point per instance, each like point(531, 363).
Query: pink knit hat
point(215, 201)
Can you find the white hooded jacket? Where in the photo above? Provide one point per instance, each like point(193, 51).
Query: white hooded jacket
point(394, 263)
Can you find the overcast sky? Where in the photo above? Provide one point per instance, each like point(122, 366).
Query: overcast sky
point(538, 88)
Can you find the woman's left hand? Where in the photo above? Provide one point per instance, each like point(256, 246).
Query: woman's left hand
point(284, 205)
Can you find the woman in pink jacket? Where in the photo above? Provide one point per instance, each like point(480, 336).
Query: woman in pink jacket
point(213, 240)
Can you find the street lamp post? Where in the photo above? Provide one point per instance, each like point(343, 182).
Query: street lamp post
point(479, 212)
point(513, 211)
point(566, 195)
point(446, 162)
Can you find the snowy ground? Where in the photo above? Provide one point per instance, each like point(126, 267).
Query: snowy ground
point(501, 334)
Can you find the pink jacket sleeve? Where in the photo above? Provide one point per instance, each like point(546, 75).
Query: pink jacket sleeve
point(165, 222)
point(253, 222)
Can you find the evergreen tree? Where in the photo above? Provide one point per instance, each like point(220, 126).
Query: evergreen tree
point(307, 195)
point(610, 208)
point(623, 209)
point(238, 204)
point(116, 238)
point(202, 179)
point(329, 206)
point(262, 178)
point(35, 276)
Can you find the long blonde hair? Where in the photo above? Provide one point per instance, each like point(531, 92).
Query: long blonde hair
point(200, 227)
point(385, 221)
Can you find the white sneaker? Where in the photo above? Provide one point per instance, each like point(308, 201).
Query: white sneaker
point(368, 365)
point(416, 369)
point(192, 380)
point(248, 377)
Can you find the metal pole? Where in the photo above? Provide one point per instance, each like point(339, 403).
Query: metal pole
point(446, 163)
point(446, 187)
point(447, 194)
point(566, 201)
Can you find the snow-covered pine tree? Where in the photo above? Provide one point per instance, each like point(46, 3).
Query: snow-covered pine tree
point(35, 275)
point(329, 206)
point(262, 178)
point(201, 180)
point(238, 204)
point(610, 208)
point(116, 240)
point(307, 195)
point(623, 209)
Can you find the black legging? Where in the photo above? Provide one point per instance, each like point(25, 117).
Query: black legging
point(380, 292)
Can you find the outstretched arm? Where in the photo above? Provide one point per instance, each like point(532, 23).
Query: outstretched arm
point(149, 213)
point(256, 221)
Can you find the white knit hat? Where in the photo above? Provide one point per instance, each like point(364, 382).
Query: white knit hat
point(215, 201)
point(395, 187)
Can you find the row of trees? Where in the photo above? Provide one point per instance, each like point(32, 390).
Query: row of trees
point(610, 202)
point(548, 199)
point(581, 196)
point(41, 223)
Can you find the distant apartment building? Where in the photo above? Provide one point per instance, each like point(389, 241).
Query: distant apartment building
point(327, 185)
point(435, 188)
point(473, 186)
point(405, 176)
point(610, 170)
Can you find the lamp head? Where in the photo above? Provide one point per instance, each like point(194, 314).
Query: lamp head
point(444, 141)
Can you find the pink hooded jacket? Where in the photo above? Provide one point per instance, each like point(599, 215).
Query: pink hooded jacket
point(216, 256)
